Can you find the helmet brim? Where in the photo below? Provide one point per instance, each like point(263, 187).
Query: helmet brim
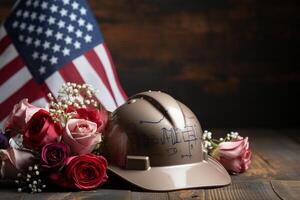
point(208, 173)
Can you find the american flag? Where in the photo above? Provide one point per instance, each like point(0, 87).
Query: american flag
point(45, 43)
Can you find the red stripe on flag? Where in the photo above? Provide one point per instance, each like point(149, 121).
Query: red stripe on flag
point(70, 74)
point(114, 71)
point(4, 43)
point(10, 69)
point(30, 90)
point(44, 88)
point(96, 63)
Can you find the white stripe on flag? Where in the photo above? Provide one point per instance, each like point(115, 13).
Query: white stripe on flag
point(42, 102)
point(14, 83)
point(8, 55)
point(90, 76)
point(101, 53)
point(54, 83)
point(2, 32)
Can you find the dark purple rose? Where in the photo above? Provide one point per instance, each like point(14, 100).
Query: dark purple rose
point(3, 141)
point(54, 155)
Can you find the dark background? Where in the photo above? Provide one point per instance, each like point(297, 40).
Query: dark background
point(234, 63)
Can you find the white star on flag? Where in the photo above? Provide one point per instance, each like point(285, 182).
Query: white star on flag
point(45, 43)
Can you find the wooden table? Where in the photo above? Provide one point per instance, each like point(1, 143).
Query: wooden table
point(274, 174)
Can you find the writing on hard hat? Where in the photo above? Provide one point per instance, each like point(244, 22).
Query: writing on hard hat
point(155, 142)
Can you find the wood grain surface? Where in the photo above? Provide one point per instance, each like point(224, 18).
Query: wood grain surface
point(239, 58)
point(274, 175)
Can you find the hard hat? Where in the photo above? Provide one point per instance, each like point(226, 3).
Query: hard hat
point(155, 142)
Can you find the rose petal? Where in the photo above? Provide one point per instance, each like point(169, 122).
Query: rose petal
point(233, 150)
point(13, 161)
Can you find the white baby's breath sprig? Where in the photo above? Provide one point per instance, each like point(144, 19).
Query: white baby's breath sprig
point(71, 95)
point(233, 135)
point(30, 180)
point(210, 143)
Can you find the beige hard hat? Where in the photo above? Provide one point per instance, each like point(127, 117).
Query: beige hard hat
point(155, 142)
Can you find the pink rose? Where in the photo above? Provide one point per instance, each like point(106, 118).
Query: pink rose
point(12, 161)
point(100, 117)
point(235, 156)
point(20, 115)
point(81, 135)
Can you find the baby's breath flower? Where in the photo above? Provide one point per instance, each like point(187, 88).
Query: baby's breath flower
point(30, 181)
point(209, 135)
point(71, 94)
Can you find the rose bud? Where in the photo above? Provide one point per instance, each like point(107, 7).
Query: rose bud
point(13, 161)
point(81, 135)
point(40, 131)
point(20, 115)
point(54, 155)
point(84, 172)
point(235, 156)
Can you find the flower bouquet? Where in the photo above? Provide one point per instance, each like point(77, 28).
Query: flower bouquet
point(61, 144)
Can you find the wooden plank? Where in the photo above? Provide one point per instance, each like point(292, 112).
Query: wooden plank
point(287, 190)
point(149, 196)
point(6, 5)
point(101, 194)
point(10, 194)
point(275, 155)
point(238, 190)
point(92, 195)
point(212, 47)
point(259, 169)
point(243, 190)
point(187, 194)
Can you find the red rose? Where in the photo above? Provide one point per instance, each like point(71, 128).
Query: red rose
point(54, 155)
point(87, 171)
point(40, 131)
point(84, 172)
point(99, 117)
